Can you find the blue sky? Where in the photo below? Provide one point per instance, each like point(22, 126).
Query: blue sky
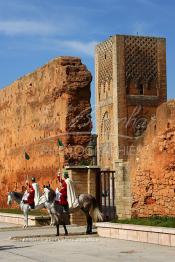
point(32, 32)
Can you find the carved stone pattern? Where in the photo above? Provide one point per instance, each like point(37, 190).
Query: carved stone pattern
point(140, 125)
point(104, 51)
point(140, 58)
point(105, 126)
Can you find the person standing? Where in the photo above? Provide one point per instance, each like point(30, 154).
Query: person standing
point(36, 189)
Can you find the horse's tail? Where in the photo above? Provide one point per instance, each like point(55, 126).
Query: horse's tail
point(95, 212)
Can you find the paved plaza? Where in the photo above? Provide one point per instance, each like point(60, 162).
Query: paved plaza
point(41, 244)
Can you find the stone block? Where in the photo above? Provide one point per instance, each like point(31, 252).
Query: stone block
point(164, 239)
point(104, 232)
point(133, 235)
point(172, 240)
point(153, 238)
point(122, 234)
point(143, 236)
point(114, 233)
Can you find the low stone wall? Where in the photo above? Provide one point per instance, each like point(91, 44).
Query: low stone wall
point(148, 234)
point(19, 219)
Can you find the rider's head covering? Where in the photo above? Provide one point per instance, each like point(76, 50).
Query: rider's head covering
point(59, 178)
point(58, 173)
point(66, 175)
point(33, 179)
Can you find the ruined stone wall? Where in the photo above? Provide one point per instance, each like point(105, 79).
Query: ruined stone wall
point(52, 102)
point(152, 169)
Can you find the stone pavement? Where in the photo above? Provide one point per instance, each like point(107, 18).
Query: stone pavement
point(40, 244)
point(5, 225)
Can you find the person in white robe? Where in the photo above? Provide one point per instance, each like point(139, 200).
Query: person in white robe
point(25, 195)
point(71, 196)
point(36, 188)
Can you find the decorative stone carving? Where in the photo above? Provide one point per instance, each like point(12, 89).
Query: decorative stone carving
point(104, 52)
point(140, 58)
point(140, 126)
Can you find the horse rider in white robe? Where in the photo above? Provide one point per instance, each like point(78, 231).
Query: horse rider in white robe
point(36, 188)
point(71, 196)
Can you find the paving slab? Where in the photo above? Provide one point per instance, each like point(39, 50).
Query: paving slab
point(7, 225)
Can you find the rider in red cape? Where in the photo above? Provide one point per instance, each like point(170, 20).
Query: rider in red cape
point(30, 196)
point(63, 194)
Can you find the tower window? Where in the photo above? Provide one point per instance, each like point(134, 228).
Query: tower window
point(140, 88)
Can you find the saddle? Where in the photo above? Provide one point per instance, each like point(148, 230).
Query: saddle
point(63, 214)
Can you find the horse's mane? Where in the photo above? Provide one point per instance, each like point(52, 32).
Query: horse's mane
point(52, 194)
point(17, 194)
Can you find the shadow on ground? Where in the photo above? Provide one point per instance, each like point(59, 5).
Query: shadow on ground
point(11, 247)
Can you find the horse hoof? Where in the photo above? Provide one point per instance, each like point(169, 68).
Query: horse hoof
point(25, 226)
point(88, 232)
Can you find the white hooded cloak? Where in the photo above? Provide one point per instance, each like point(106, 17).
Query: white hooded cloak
point(71, 197)
point(37, 196)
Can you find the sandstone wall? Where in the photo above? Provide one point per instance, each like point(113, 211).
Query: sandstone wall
point(52, 102)
point(152, 169)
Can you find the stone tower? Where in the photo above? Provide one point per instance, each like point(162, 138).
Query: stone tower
point(130, 85)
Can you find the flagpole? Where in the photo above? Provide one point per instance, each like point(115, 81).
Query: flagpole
point(59, 143)
point(59, 160)
point(27, 176)
point(27, 157)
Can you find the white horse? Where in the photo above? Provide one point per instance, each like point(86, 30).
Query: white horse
point(17, 197)
point(87, 203)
